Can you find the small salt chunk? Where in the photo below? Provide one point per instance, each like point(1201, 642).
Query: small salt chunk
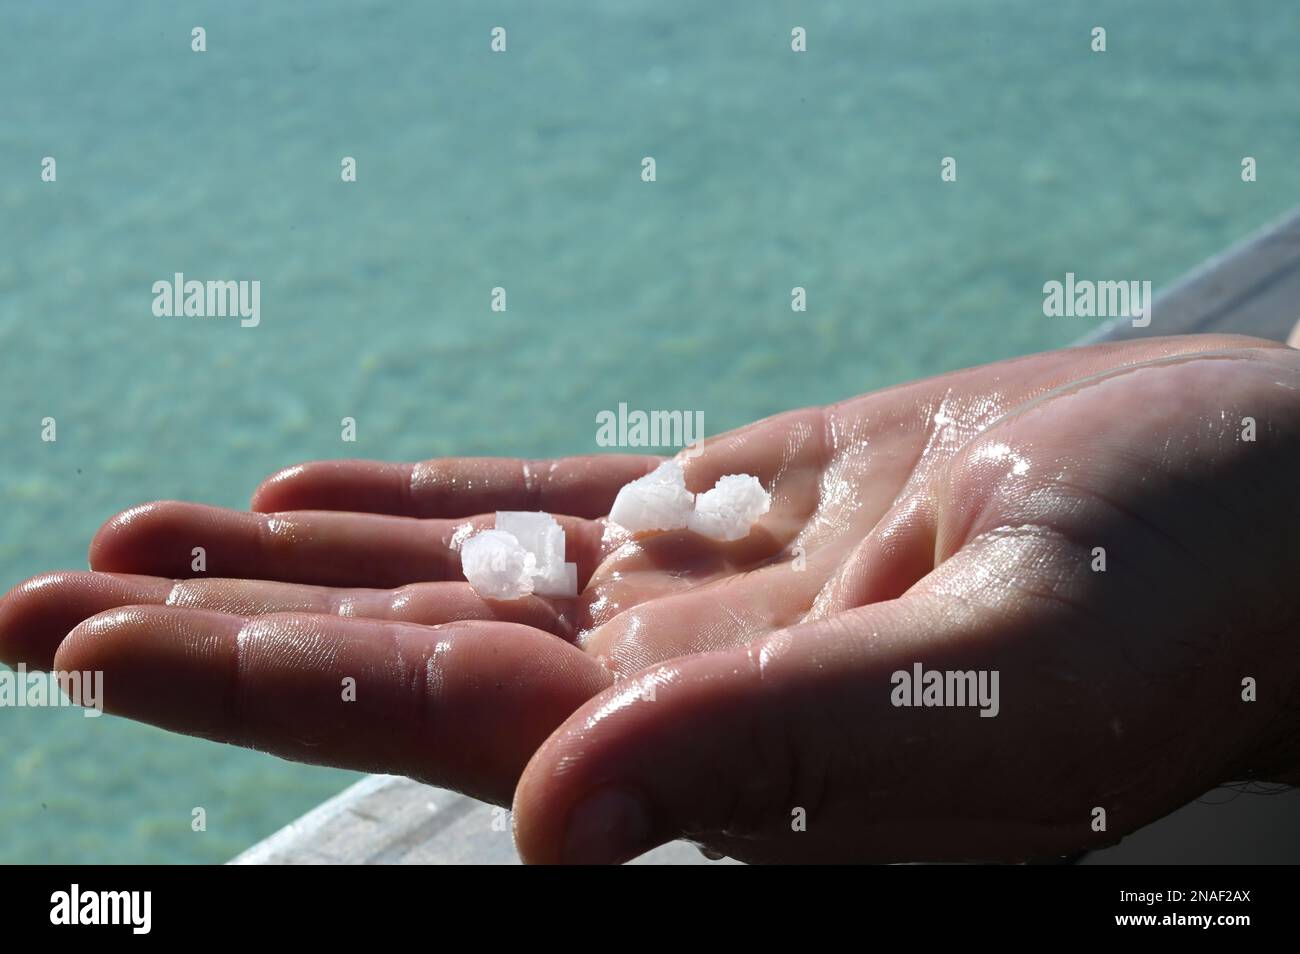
point(729, 510)
point(543, 537)
point(523, 554)
point(497, 565)
point(657, 501)
point(565, 583)
point(538, 533)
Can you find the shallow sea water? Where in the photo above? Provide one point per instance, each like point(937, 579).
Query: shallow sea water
point(522, 170)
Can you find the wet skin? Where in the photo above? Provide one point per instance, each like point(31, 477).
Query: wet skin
point(713, 690)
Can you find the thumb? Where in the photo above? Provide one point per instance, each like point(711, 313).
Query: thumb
point(804, 746)
point(786, 749)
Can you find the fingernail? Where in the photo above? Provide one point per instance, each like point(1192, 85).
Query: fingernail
point(609, 826)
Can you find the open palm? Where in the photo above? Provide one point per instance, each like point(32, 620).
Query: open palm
point(718, 690)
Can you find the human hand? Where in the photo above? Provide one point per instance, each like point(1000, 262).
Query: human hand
point(712, 690)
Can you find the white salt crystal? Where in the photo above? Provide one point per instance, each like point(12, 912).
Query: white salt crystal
point(524, 554)
point(657, 501)
point(538, 533)
point(566, 585)
point(728, 510)
point(497, 566)
point(543, 537)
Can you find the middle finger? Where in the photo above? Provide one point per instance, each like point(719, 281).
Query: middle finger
point(325, 548)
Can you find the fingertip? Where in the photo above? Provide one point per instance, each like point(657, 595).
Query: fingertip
point(579, 799)
point(610, 825)
point(24, 614)
point(164, 665)
point(362, 486)
point(119, 536)
point(38, 614)
point(275, 493)
point(88, 642)
point(114, 636)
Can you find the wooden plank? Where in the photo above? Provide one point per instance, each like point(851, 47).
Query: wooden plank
point(385, 819)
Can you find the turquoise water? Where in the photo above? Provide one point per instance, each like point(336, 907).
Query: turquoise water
point(522, 170)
